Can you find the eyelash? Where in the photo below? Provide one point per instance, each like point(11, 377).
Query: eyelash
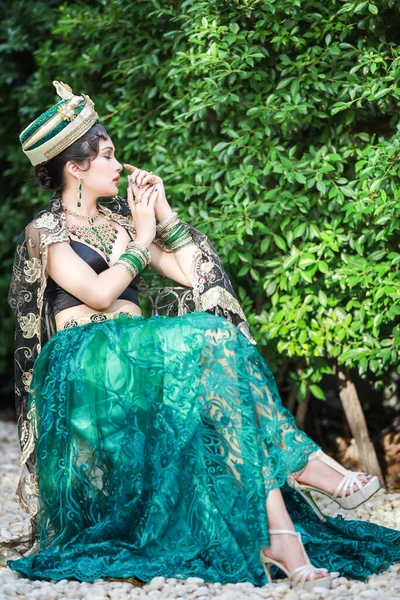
point(108, 157)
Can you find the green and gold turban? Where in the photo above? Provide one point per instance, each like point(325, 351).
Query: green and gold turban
point(59, 126)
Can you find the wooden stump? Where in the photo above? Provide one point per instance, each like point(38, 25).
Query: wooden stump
point(358, 426)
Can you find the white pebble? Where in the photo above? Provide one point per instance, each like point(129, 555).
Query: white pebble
point(156, 583)
point(281, 587)
point(318, 589)
point(292, 596)
point(201, 591)
point(9, 590)
point(369, 594)
point(195, 580)
point(22, 589)
point(5, 534)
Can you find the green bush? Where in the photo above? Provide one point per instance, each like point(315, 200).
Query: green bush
point(275, 128)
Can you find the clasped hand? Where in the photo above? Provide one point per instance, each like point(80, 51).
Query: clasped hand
point(146, 194)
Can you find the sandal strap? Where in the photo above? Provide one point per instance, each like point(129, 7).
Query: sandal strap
point(305, 573)
point(350, 480)
point(290, 531)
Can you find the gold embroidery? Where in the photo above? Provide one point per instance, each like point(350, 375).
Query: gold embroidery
point(29, 325)
point(47, 220)
point(218, 296)
point(72, 137)
point(32, 270)
point(125, 221)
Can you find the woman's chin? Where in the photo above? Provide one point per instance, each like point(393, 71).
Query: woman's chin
point(111, 190)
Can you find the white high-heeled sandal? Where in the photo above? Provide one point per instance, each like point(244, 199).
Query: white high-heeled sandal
point(350, 481)
point(300, 577)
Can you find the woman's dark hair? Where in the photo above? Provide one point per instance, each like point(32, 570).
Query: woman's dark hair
point(83, 150)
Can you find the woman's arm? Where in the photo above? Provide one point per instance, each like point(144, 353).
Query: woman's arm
point(174, 265)
point(75, 276)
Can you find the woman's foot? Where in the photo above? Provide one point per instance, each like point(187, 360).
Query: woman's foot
point(324, 477)
point(286, 549)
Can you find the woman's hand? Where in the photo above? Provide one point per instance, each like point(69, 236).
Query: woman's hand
point(161, 208)
point(141, 203)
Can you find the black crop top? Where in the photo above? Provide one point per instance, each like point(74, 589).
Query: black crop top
point(59, 299)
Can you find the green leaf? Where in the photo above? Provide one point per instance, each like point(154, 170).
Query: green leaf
point(317, 392)
point(322, 298)
point(220, 146)
point(323, 267)
point(280, 242)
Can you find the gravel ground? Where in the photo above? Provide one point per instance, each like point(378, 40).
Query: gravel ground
point(383, 508)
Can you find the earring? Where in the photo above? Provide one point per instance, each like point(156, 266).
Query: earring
point(79, 193)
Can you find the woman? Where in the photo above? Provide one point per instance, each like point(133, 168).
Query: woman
point(156, 446)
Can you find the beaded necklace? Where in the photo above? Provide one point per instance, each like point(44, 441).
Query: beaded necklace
point(101, 236)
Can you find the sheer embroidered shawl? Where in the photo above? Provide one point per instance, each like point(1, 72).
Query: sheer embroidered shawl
point(212, 292)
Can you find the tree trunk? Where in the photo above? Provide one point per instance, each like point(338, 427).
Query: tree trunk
point(302, 411)
point(358, 426)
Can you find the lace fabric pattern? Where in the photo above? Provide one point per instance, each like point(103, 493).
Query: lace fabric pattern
point(26, 299)
point(157, 441)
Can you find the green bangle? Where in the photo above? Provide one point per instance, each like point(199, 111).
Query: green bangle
point(134, 260)
point(175, 234)
point(183, 236)
point(125, 264)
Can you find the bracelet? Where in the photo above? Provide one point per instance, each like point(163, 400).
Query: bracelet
point(184, 244)
point(128, 266)
point(139, 249)
point(135, 258)
point(165, 222)
point(137, 261)
point(176, 237)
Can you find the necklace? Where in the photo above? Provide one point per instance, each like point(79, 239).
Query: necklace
point(101, 236)
point(91, 220)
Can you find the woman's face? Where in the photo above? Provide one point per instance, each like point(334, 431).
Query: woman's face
point(104, 171)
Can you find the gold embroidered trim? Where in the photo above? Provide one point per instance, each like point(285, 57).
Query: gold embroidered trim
point(218, 296)
point(72, 137)
point(125, 221)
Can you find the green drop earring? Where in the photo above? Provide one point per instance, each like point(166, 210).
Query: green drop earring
point(79, 193)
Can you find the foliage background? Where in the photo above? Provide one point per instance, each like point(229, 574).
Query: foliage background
point(275, 126)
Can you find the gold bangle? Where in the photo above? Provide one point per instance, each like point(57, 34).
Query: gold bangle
point(128, 266)
point(167, 222)
point(140, 249)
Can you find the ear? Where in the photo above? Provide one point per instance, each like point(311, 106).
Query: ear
point(73, 168)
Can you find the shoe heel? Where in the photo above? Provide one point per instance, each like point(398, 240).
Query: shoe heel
point(266, 564)
point(308, 497)
point(306, 493)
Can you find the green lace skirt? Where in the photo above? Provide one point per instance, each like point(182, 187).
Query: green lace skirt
point(158, 440)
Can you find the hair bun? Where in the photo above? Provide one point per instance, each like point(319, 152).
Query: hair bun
point(45, 180)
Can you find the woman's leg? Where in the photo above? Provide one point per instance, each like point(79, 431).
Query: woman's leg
point(272, 417)
point(284, 547)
